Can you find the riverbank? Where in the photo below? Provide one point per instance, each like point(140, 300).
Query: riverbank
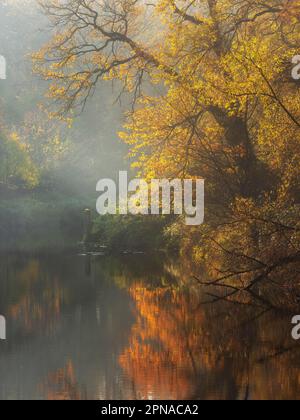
point(32, 220)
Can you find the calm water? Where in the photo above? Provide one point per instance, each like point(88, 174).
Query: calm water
point(131, 328)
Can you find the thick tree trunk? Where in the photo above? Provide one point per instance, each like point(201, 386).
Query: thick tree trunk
point(250, 170)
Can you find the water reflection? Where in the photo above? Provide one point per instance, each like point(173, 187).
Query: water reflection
point(134, 327)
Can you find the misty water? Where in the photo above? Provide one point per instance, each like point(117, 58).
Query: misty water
point(128, 327)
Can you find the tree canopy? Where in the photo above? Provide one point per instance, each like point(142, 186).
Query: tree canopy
point(212, 96)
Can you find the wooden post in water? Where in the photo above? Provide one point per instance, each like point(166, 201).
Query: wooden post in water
point(2, 328)
point(87, 225)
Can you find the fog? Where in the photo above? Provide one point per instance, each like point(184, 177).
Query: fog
point(89, 149)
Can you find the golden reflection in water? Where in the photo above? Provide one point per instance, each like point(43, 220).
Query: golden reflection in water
point(35, 309)
point(182, 350)
point(173, 347)
point(62, 385)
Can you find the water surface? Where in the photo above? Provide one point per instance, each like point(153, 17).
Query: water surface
point(133, 327)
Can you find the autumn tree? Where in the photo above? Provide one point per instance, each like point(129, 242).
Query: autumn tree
point(212, 96)
point(16, 165)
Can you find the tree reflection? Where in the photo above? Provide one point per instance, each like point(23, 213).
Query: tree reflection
point(62, 385)
point(132, 332)
point(180, 349)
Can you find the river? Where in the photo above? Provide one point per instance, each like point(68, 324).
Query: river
point(134, 327)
